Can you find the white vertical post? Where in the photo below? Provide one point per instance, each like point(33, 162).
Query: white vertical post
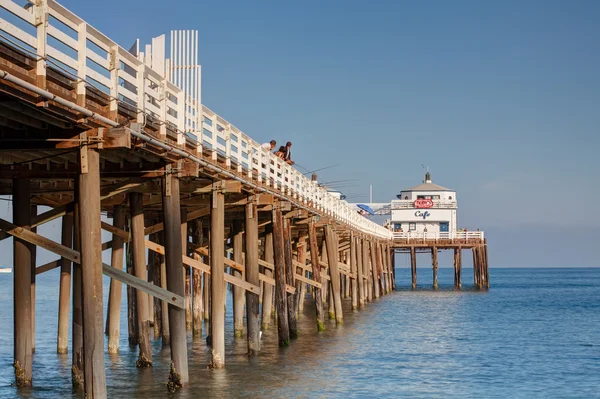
point(41, 23)
point(81, 62)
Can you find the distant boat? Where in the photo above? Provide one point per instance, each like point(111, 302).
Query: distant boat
point(5, 269)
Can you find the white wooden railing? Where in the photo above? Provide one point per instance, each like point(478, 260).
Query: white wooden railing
point(409, 204)
point(58, 38)
point(447, 235)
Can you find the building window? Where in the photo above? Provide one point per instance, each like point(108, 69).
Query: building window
point(412, 226)
point(406, 197)
point(207, 121)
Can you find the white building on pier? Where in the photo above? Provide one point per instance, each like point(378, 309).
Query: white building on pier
point(426, 208)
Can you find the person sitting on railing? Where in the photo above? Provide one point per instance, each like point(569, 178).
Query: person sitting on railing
point(288, 153)
point(280, 153)
point(269, 146)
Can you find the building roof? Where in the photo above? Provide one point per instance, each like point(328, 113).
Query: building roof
point(427, 186)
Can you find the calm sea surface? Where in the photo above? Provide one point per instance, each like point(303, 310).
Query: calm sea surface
point(535, 334)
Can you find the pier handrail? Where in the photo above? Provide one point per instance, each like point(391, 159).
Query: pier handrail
point(410, 204)
point(62, 40)
point(443, 235)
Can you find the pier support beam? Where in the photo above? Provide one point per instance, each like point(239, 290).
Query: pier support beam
point(289, 279)
point(217, 268)
point(197, 299)
point(252, 306)
point(374, 268)
point(301, 286)
point(487, 269)
point(368, 287)
point(267, 302)
point(32, 287)
point(22, 285)
point(280, 292)
point(114, 302)
point(77, 328)
point(413, 267)
point(64, 296)
point(334, 274)
point(174, 273)
point(316, 272)
point(434, 265)
point(354, 271)
point(165, 330)
point(136, 208)
point(457, 268)
point(239, 294)
point(359, 272)
point(91, 275)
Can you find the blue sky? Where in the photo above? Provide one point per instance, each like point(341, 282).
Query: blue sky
point(500, 99)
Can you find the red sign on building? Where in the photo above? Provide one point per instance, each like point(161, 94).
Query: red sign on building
point(423, 203)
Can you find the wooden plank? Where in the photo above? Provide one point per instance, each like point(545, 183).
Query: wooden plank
point(149, 288)
point(48, 266)
point(307, 280)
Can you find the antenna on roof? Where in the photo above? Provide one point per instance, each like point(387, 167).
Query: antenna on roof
point(427, 175)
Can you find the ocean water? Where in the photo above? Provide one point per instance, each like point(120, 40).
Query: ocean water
point(534, 334)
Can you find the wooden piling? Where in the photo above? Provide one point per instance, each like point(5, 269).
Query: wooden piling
point(289, 278)
point(217, 268)
point(267, 303)
point(487, 269)
point(131, 296)
point(136, 208)
point(157, 281)
point(91, 275)
point(413, 267)
point(64, 300)
point(334, 274)
point(301, 286)
point(239, 294)
point(197, 299)
point(187, 271)
point(475, 267)
point(434, 265)
point(174, 273)
point(457, 268)
point(252, 274)
point(354, 271)
point(374, 268)
point(22, 286)
point(359, 272)
point(116, 261)
point(77, 374)
point(283, 329)
point(316, 272)
point(368, 287)
point(33, 276)
point(164, 306)
point(393, 262)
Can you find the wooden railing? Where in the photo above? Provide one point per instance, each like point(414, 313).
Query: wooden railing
point(410, 204)
point(454, 235)
point(58, 38)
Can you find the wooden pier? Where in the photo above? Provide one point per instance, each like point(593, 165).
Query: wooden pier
point(457, 242)
point(102, 139)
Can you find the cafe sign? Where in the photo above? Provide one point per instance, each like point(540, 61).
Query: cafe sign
point(423, 203)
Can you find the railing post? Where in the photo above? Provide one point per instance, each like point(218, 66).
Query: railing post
point(41, 23)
